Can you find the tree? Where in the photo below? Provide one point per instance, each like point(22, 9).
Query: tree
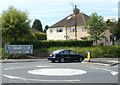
point(15, 25)
point(95, 26)
point(46, 28)
point(37, 25)
point(118, 29)
point(114, 27)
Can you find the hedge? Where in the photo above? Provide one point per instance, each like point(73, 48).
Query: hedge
point(48, 44)
point(96, 52)
point(40, 36)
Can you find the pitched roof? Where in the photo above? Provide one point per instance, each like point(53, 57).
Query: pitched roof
point(70, 20)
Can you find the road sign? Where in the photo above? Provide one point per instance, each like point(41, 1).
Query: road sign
point(19, 49)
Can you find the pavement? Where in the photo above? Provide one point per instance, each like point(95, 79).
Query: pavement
point(98, 61)
point(104, 61)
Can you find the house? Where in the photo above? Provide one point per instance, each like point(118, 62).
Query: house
point(108, 39)
point(65, 29)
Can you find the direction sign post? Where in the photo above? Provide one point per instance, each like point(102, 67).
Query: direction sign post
point(19, 49)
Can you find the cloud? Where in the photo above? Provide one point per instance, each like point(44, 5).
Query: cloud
point(110, 17)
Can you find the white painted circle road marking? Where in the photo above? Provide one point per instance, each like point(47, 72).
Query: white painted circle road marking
point(57, 72)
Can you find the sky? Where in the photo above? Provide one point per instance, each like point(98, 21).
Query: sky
point(51, 11)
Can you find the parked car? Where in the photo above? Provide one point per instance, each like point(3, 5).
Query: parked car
point(64, 55)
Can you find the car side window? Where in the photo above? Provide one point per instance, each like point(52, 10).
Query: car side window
point(65, 52)
point(71, 52)
point(62, 52)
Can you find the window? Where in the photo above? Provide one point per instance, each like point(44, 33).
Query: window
point(72, 29)
point(65, 52)
point(83, 28)
point(59, 29)
point(106, 38)
point(51, 30)
point(71, 52)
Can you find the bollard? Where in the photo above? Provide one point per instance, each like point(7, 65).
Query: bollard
point(88, 56)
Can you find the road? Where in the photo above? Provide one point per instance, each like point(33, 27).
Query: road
point(43, 71)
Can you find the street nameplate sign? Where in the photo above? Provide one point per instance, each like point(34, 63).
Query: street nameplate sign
point(19, 49)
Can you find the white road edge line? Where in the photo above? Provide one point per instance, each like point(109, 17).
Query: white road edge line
point(15, 77)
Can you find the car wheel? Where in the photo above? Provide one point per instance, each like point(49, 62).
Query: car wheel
point(62, 60)
point(53, 61)
point(80, 59)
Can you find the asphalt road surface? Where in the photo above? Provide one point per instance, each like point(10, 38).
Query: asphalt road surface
point(44, 71)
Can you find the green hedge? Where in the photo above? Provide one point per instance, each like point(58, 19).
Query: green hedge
point(40, 36)
point(41, 47)
point(48, 44)
point(96, 52)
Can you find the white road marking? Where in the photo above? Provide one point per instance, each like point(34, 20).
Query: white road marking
point(14, 68)
point(15, 77)
point(24, 67)
point(57, 72)
point(114, 73)
point(43, 66)
point(11, 77)
point(96, 63)
point(101, 64)
point(94, 68)
point(111, 71)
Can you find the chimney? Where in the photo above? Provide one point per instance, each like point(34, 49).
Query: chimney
point(76, 10)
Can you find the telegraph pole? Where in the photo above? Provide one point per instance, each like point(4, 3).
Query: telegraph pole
point(76, 11)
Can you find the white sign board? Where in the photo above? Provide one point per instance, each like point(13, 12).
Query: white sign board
point(19, 49)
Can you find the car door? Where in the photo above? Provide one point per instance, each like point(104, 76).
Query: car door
point(73, 55)
point(65, 54)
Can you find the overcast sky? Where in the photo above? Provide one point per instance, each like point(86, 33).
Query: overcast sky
point(51, 11)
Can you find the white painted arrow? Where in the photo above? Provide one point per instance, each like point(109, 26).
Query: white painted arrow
point(114, 73)
point(111, 71)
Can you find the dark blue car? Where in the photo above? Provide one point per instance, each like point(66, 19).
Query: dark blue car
point(64, 55)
